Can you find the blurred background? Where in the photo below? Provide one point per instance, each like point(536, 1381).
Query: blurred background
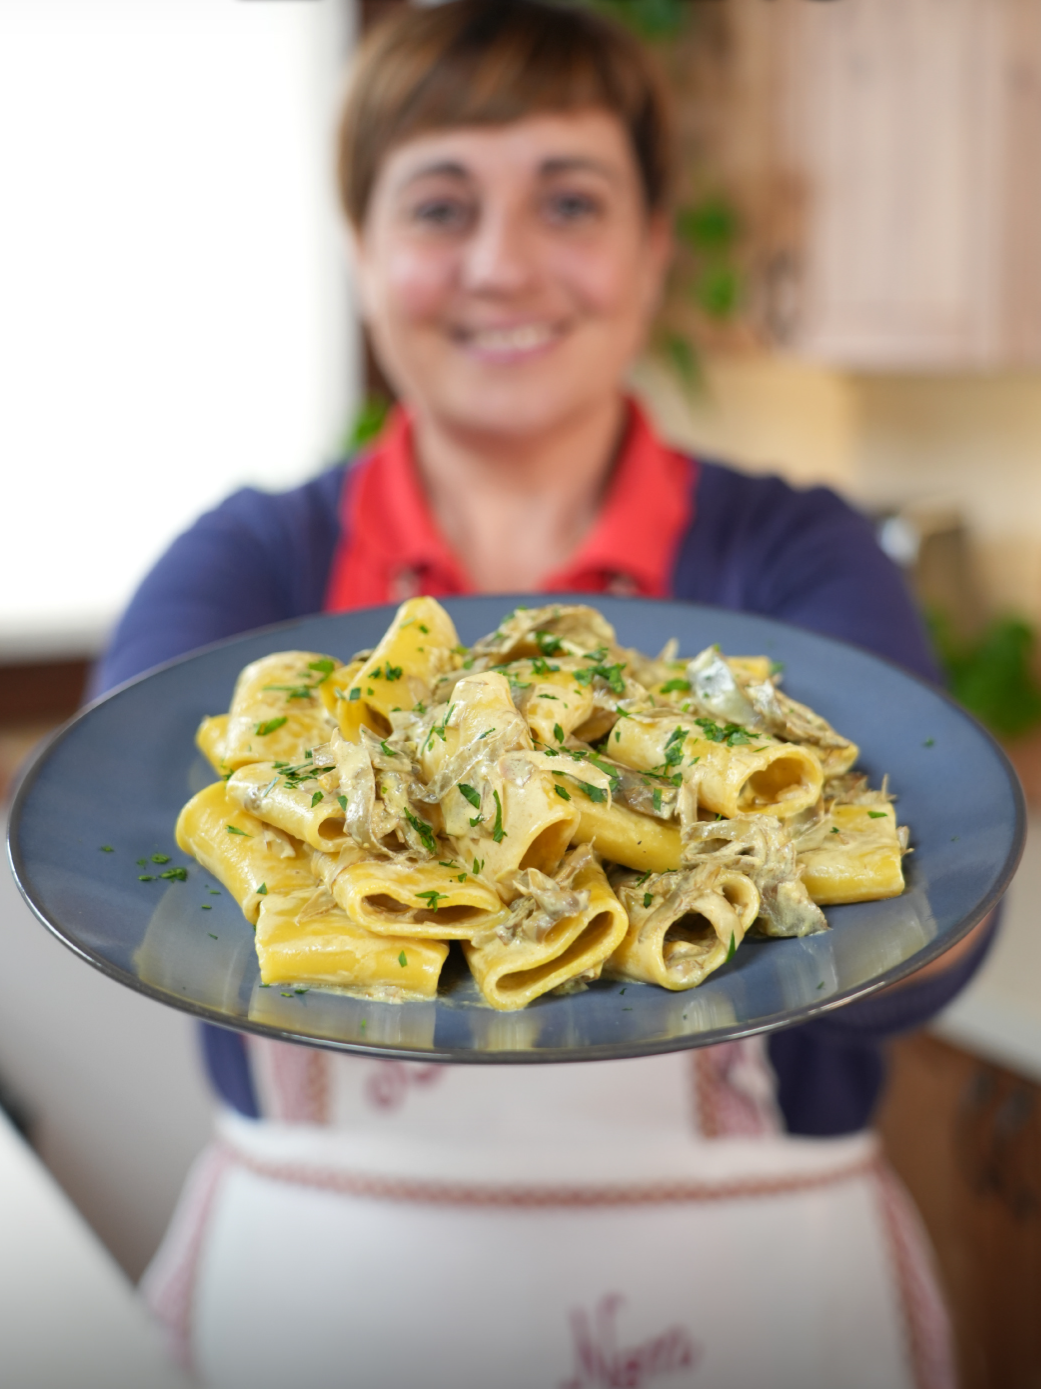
point(856, 301)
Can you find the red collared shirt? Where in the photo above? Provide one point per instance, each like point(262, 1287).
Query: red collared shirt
point(391, 548)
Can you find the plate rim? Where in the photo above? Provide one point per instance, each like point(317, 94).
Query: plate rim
point(605, 1051)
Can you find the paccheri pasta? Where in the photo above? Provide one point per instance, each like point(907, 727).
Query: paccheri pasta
point(564, 808)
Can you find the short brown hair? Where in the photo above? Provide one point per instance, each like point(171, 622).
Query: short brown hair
point(490, 62)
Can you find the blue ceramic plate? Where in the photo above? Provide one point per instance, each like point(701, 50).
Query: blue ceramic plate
point(119, 773)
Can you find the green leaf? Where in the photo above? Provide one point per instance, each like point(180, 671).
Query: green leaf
point(234, 829)
point(431, 898)
point(367, 423)
point(558, 733)
point(733, 948)
point(107, 849)
point(318, 796)
point(160, 858)
point(262, 890)
point(877, 815)
point(402, 959)
point(564, 795)
point(498, 833)
point(717, 291)
point(424, 830)
point(671, 686)
point(469, 794)
point(341, 801)
point(710, 227)
point(177, 875)
point(648, 898)
point(269, 726)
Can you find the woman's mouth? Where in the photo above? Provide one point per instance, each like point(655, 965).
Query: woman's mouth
point(510, 343)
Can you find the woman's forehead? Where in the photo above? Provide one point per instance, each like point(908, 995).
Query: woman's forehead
point(543, 144)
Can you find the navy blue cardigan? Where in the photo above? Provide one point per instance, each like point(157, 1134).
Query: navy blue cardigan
point(755, 544)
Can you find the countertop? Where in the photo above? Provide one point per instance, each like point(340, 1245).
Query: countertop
point(999, 1015)
point(69, 1319)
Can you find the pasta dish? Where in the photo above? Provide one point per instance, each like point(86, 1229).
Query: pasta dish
point(564, 808)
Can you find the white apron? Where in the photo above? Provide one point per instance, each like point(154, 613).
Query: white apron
point(629, 1223)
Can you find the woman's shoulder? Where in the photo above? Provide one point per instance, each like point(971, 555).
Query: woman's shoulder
point(802, 554)
point(256, 558)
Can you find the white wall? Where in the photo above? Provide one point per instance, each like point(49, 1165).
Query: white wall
point(175, 314)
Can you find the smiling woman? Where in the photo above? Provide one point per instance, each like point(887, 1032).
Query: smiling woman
point(509, 200)
point(504, 167)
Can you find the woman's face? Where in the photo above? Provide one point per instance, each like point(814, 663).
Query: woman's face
point(508, 273)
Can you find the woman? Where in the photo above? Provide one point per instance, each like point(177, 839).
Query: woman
point(504, 167)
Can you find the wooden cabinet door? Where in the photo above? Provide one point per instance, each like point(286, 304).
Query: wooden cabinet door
point(913, 128)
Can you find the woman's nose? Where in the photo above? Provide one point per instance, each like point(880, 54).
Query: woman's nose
point(501, 256)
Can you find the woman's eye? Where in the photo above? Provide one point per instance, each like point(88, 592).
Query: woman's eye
point(569, 208)
point(441, 214)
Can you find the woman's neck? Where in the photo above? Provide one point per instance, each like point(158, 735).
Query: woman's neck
point(515, 510)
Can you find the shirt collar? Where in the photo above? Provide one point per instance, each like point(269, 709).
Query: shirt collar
point(631, 546)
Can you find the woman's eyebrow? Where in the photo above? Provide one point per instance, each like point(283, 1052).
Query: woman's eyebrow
point(566, 164)
point(442, 168)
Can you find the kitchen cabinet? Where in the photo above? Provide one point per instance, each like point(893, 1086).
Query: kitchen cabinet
point(904, 154)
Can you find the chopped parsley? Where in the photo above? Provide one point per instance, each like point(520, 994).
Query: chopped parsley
point(269, 726)
point(732, 734)
point(648, 898)
point(323, 667)
point(564, 795)
point(656, 800)
point(929, 743)
point(341, 801)
point(674, 686)
point(550, 696)
point(596, 794)
point(107, 849)
point(426, 834)
point(355, 693)
point(211, 935)
point(611, 674)
point(558, 733)
point(234, 829)
point(541, 667)
point(486, 734)
point(440, 729)
point(177, 875)
point(424, 629)
point(206, 907)
point(388, 672)
point(478, 866)
point(469, 794)
point(733, 948)
point(877, 815)
point(835, 829)
point(642, 879)
point(402, 959)
point(431, 898)
point(262, 890)
point(318, 796)
point(498, 833)
point(548, 644)
point(146, 877)
point(142, 863)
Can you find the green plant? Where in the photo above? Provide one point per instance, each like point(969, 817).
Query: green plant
point(367, 423)
point(993, 674)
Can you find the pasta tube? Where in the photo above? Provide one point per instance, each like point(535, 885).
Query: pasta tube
point(419, 646)
point(303, 939)
point(209, 739)
point(433, 900)
point(625, 836)
point(276, 711)
point(857, 856)
point(241, 851)
point(511, 973)
point(682, 926)
point(307, 809)
point(734, 773)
